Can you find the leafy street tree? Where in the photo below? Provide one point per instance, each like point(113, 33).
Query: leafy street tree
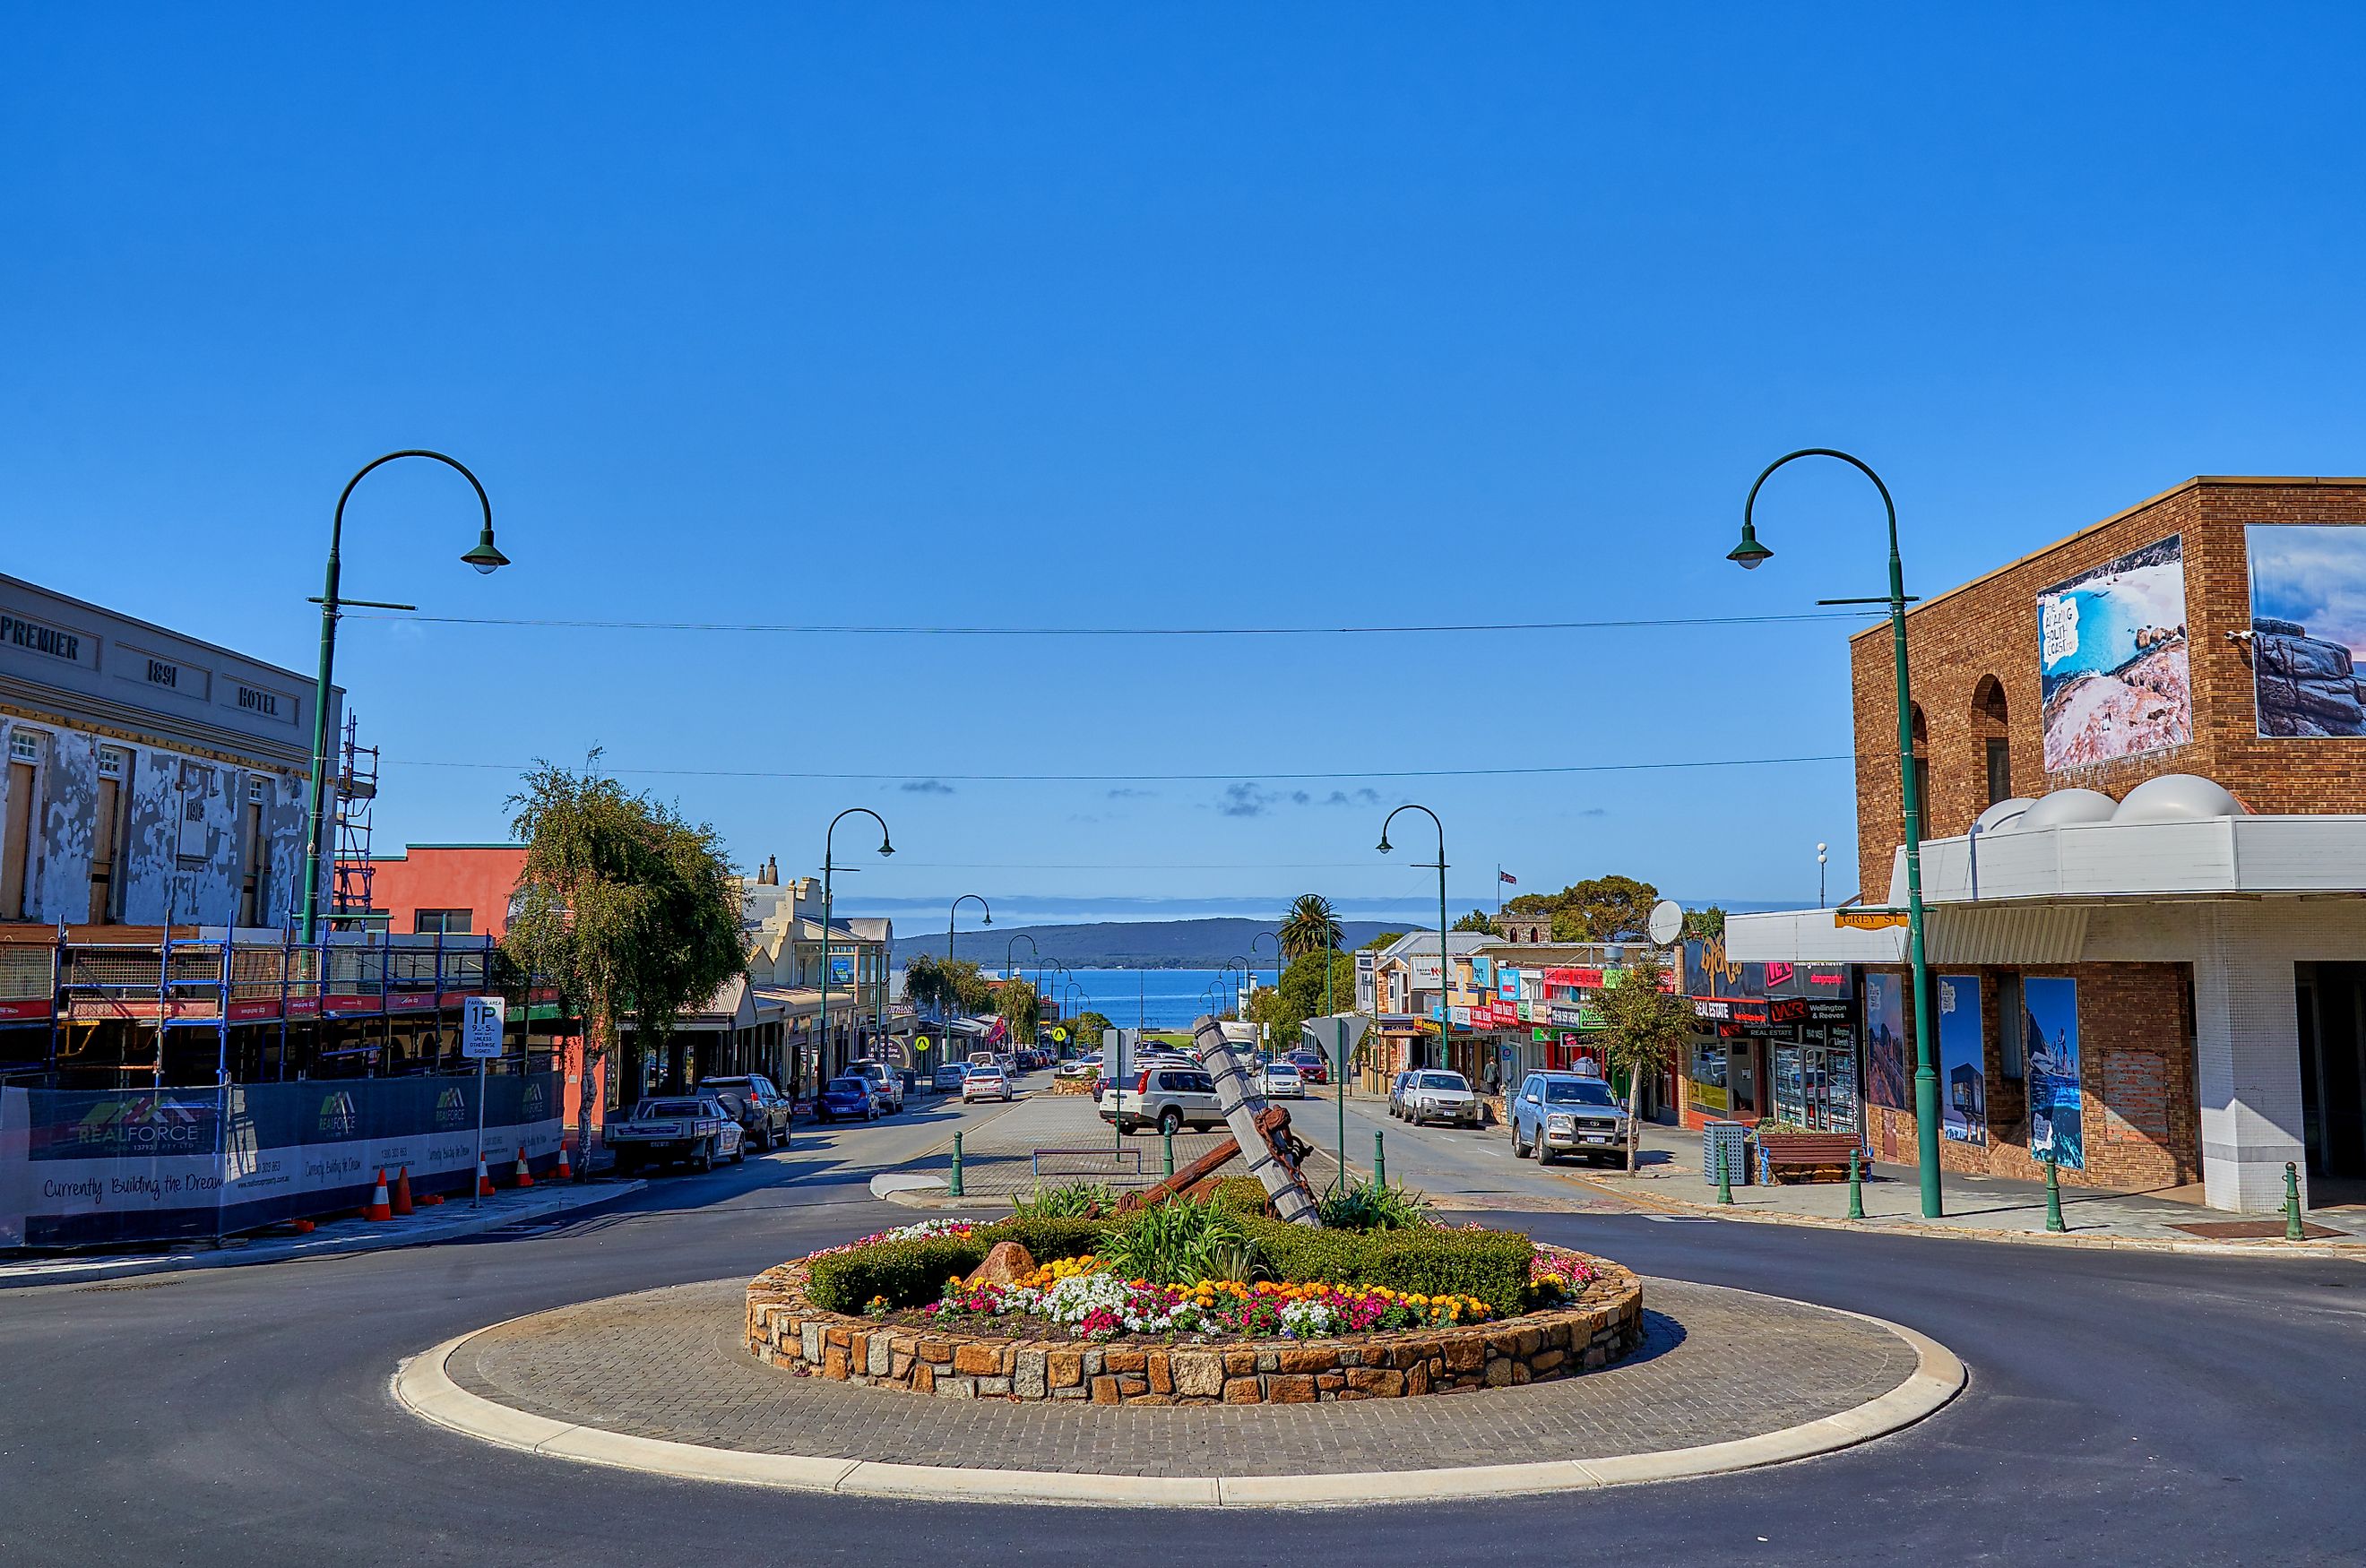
point(631, 912)
point(1311, 927)
point(1646, 1027)
point(1600, 909)
point(947, 985)
point(1382, 940)
point(1705, 925)
point(1086, 1030)
point(1477, 920)
point(1016, 1001)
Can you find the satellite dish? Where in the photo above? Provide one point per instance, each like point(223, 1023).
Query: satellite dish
point(1667, 922)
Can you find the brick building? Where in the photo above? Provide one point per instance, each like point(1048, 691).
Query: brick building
point(2142, 757)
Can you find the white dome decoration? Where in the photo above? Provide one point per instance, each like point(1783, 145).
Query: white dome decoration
point(2177, 797)
point(2064, 807)
point(2003, 815)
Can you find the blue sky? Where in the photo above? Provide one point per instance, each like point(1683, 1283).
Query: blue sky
point(1149, 317)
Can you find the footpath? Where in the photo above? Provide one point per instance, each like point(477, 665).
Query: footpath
point(1670, 1180)
point(442, 1222)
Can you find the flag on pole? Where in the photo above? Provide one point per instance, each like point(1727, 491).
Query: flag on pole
point(1504, 876)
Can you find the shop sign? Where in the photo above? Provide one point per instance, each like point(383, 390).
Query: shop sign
point(1867, 919)
point(1460, 1015)
point(1575, 980)
point(1730, 1010)
point(18, 1011)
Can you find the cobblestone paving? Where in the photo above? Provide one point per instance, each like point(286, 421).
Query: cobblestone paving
point(1715, 1364)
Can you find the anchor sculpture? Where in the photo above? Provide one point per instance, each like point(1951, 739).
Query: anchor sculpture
point(1261, 1135)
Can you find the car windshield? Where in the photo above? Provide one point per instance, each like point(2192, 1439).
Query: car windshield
point(985, 1073)
point(850, 1085)
point(1443, 1081)
point(1284, 1069)
point(671, 1108)
point(1577, 1092)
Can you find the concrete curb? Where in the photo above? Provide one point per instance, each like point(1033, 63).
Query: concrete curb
point(2352, 1251)
point(422, 1386)
point(437, 1228)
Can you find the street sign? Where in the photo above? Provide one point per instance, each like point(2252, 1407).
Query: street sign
point(481, 1018)
point(921, 1043)
point(1059, 1036)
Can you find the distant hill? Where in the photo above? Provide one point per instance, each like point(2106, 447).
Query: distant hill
point(1126, 944)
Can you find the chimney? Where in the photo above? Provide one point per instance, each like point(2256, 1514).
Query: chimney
point(771, 875)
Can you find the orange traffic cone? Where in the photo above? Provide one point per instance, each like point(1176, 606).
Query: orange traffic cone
point(485, 1188)
point(402, 1191)
point(522, 1177)
point(566, 1172)
point(378, 1209)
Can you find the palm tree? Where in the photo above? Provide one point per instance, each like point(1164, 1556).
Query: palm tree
point(1311, 928)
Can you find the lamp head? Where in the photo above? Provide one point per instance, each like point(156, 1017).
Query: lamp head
point(886, 848)
point(1384, 843)
point(485, 557)
point(1749, 554)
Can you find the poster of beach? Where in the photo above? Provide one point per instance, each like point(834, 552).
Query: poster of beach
point(2308, 628)
point(2112, 659)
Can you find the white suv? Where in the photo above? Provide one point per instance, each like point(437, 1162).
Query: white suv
point(1437, 1095)
point(1168, 1097)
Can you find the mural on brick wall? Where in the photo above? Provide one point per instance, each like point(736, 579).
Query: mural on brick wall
point(1963, 1070)
point(2308, 628)
point(1885, 1042)
point(2049, 1022)
point(2112, 659)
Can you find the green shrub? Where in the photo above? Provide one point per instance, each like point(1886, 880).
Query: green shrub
point(909, 1274)
point(1068, 1202)
point(1182, 1242)
point(1047, 1238)
point(1240, 1195)
point(1373, 1205)
point(1490, 1264)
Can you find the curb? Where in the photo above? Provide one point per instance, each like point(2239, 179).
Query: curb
point(298, 1250)
point(422, 1386)
point(2351, 1251)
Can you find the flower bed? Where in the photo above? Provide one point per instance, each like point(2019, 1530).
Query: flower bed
point(1087, 1335)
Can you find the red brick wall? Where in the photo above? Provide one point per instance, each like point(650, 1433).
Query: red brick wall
point(2136, 1028)
point(1989, 627)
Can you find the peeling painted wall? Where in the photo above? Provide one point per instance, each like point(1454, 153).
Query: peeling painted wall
point(283, 829)
point(69, 824)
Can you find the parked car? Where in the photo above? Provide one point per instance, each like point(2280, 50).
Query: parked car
point(1077, 1067)
point(1311, 1066)
point(948, 1077)
point(890, 1082)
point(986, 1081)
point(694, 1130)
point(1561, 1112)
point(1437, 1096)
point(1397, 1088)
point(851, 1097)
point(1281, 1081)
point(1166, 1097)
point(763, 1111)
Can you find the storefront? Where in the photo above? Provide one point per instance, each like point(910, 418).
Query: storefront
point(1777, 1041)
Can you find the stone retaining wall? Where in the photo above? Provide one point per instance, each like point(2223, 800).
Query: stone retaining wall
point(1598, 1328)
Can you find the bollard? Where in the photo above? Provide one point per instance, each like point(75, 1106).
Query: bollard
point(2292, 1231)
point(1724, 1184)
point(1168, 1137)
point(954, 1189)
point(1379, 1160)
point(2053, 1195)
point(1856, 1184)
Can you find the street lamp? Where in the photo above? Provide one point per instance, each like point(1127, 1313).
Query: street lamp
point(948, 1011)
point(1445, 961)
point(1819, 875)
point(1750, 555)
point(1266, 936)
point(485, 557)
point(828, 865)
point(1008, 947)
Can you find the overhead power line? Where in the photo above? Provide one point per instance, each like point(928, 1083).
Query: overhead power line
point(1165, 778)
point(761, 628)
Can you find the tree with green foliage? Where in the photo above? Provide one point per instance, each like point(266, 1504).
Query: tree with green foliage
point(1016, 1002)
point(1286, 1007)
point(1313, 926)
point(628, 908)
point(1382, 940)
point(1705, 925)
point(1477, 920)
point(1645, 1025)
point(947, 986)
point(1600, 909)
point(1084, 1029)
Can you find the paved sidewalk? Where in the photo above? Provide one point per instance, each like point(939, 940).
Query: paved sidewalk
point(441, 1222)
point(1990, 1208)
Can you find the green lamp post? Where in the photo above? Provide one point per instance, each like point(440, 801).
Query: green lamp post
point(1008, 949)
point(485, 557)
point(1445, 959)
point(1750, 555)
point(827, 866)
point(949, 915)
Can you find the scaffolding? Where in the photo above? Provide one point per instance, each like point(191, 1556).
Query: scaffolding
point(356, 787)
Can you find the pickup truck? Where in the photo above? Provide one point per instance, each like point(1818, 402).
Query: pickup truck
point(695, 1130)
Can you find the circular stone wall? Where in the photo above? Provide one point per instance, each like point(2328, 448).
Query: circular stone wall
point(1595, 1328)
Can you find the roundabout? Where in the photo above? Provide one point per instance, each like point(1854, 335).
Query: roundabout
point(661, 1382)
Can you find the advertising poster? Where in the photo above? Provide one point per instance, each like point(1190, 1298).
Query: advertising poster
point(2308, 628)
point(2049, 1025)
point(1963, 1072)
point(841, 970)
point(1887, 1081)
point(2112, 659)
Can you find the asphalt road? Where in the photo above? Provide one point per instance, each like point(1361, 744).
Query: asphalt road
point(2124, 1407)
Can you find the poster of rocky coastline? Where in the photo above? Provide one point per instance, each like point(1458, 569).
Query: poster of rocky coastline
point(2308, 626)
point(2112, 659)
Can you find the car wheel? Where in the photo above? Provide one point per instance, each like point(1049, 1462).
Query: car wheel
point(1170, 1121)
point(1518, 1150)
point(705, 1158)
point(740, 1155)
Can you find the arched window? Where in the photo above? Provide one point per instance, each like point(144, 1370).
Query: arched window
point(1923, 767)
point(1992, 729)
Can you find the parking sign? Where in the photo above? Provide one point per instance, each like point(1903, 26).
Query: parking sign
point(481, 1018)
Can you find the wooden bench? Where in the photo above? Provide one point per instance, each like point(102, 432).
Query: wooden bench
point(1807, 1157)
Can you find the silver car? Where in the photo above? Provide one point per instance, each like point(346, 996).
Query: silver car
point(1561, 1112)
point(1437, 1096)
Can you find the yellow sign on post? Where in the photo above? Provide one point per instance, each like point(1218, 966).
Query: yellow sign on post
point(1867, 919)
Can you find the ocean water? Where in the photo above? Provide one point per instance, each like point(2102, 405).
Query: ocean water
point(1150, 999)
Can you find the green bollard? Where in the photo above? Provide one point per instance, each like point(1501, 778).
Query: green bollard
point(1724, 1184)
point(1169, 1138)
point(1379, 1160)
point(2292, 1231)
point(955, 1188)
point(2054, 1196)
point(1856, 1184)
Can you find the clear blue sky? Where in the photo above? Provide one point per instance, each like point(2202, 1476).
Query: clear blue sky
point(1149, 316)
